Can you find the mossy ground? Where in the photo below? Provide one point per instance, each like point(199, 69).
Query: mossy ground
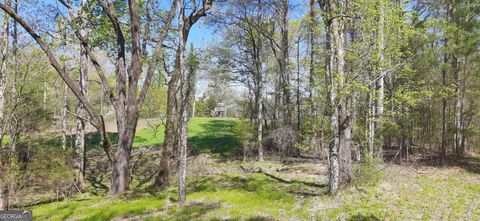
point(281, 190)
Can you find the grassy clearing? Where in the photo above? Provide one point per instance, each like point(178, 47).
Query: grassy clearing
point(405, 193)
point(223, 196)
point(281, 191)
point(402, 194)
point(206, 135)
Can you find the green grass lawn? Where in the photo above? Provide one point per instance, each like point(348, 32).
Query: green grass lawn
point(205, 135)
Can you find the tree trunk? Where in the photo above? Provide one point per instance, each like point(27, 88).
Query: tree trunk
point(334, 127)
point(315, 142)
point(344, 115)
point(63, 119)
point(311, 78)
point(163, 180)
point(371, 122)
point(182, 164)
point(3, 69)
point(120, 166)
point(339, 154)
point(458, 135)
point(2, 200)
point(284, 73)
point(188, 99)
point(299, 122)
point(259, 84)
point(345, 155)
point(259, 122)
point(4, 196)
point(80, 159)
point(381, 80)
point(14, 131)
point(443, 147)
point(3, 122)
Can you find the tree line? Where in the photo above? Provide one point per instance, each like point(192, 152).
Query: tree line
point(343, 80)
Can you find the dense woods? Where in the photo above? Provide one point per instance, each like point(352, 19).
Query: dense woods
point(103, 97)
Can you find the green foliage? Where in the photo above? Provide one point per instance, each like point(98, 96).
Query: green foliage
point(49, 166)
point(244, 131)
point(204, 106)
point(368, 173)
point(155, 102)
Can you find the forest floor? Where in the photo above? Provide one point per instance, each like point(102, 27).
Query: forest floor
point(222, 187)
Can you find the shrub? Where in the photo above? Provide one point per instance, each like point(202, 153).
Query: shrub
point(368, 173)
point(245, 134)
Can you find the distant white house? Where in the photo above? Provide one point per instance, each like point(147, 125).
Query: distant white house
point(219, 111)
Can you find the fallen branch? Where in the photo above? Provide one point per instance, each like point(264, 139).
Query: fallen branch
point(281, 180)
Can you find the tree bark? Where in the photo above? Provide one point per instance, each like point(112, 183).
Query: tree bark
point(371, 122)
point(299, 114)
point(4, 195)
point(187, 107)
point(121, 170)
point(64, 110)
point(2, 200)
point(459, 103)
point(259, 82)
point(14, 132)
point(443, 147)
point(284, 55)
point(381, 80)
point(182, 164)
point(339, 153)
point(315, 141)
point(3, 68)
point(63, 118)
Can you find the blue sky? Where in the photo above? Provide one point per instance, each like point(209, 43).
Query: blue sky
point(201, 35)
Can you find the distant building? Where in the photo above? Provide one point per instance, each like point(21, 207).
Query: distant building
point(219, 110)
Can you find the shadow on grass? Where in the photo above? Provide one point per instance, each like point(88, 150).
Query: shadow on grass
point(469, 163)
point(361, 217)
point(260, 218)
point(92, 140)
point(217, 138)
point(260, 182)
point(193, 211)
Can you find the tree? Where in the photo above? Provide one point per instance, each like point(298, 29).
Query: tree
point(3, 82)
point(185, 23)
point(339, 149)
point(126, 101)
point(80, 159)
point(188, 95)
